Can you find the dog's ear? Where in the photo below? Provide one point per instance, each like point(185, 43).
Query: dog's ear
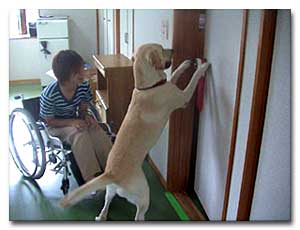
point(154, 59)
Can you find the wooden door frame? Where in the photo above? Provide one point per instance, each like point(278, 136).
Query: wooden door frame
point(258, 111)
point(236, 112)
point(188, 42)
point(259, 100)
point(97, 32)
point(117, 30)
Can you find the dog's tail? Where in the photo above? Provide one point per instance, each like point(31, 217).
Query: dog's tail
point(98, 183)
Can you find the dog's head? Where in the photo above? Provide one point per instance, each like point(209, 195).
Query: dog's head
point(150, 61)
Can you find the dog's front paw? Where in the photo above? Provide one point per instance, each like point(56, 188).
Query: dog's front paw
point(186, 64)
point(202, 66)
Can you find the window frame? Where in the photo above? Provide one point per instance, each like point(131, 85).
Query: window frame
point(24, 30)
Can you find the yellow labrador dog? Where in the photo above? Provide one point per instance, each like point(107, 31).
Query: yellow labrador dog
point(153, 100)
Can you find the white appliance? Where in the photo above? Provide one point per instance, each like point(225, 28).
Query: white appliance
point(53, 36)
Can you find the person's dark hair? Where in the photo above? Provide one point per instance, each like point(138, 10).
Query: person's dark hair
point(65, 63)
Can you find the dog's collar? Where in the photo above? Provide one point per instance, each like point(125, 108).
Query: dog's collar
point(155, 85)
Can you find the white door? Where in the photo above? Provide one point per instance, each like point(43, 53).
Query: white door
point(126, 32)
point(110, 32)
point(106, 30)
point(47, 52)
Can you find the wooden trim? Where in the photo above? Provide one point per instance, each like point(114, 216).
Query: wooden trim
point(132, 32)
point(236, 112)
point(258, 109)
point(97, 32)
point(23, 21)
point(157, 172)
point(185, 201)
point(182, 121)
point(117, 31)
point(192, 172)
point(189, 207)
point(25, 81)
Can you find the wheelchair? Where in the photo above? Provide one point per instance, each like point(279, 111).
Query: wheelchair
point(32, 147)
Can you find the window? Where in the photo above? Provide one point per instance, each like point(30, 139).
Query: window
point(20, 22)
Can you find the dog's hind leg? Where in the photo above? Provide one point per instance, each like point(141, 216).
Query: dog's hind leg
point(136, 190)
point(142, 200)
point(142, 205)
point(110, 193)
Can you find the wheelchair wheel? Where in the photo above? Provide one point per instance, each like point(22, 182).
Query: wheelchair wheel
point(26, 144)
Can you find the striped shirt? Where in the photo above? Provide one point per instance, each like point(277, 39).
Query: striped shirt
point(53, 103)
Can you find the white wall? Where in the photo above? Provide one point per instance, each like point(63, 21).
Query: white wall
point(82, 29)
point(24, 52)
point(222, 43)
point(272, 194)
point(147, 29)
point(244, 113)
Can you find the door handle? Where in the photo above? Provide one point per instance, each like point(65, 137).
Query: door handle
point(126, 37)
point(43, 23)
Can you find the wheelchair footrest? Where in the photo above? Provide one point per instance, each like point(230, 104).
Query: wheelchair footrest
point(58, 168)
point(65, 185)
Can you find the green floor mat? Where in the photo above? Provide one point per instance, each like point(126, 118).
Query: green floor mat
point(179, 210)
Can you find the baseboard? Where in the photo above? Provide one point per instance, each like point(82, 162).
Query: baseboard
point(24, 81)
point(157, 172)
point(184, 199)
point(189, 207)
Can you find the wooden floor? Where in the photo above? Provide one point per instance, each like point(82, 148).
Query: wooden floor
point(38, 200)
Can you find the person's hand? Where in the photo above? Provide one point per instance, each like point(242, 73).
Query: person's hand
point(79, 124)
point(90, 121)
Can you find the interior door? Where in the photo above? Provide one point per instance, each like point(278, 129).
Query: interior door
point(126, 32)
point(106, 31)
point(110, 31)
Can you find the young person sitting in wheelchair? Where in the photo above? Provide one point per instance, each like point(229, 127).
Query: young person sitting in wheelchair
point(60, 104)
